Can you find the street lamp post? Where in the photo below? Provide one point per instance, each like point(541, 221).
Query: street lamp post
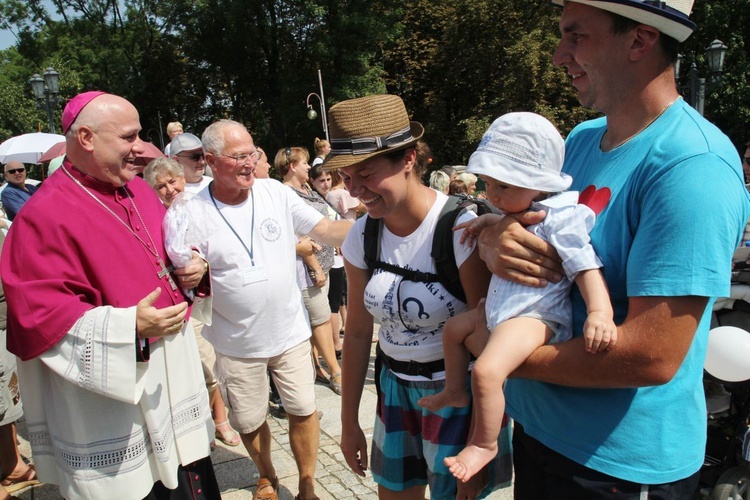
point(311, 113)
point(715, 53)
point(46, 91)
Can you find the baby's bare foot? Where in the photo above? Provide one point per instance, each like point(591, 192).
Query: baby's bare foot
point(444, 398)
point(470, 461)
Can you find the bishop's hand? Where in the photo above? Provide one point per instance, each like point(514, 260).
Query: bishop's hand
point(153, 322)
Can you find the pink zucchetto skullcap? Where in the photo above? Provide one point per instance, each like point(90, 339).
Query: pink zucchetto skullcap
point(74, 107)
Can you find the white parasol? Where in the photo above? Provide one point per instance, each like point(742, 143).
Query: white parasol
point(28, 148)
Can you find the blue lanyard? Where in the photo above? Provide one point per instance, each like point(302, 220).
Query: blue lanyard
point(252, 223)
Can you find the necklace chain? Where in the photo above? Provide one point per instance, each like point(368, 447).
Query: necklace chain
point(152, 249)
point(627, 139)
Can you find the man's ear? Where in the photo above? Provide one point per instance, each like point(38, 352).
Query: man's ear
point(85, 137)
point(210, 159)
point(645, 38)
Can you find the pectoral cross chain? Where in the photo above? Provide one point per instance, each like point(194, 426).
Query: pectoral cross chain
point(150, 248)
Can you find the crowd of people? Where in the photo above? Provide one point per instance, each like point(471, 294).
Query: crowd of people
point(151, 317)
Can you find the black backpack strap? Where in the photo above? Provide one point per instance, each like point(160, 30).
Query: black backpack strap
point(372, 234)
point(442, 249)
point(408, 274)
point(442, 245)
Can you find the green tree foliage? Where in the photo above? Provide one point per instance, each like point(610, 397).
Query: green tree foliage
point(727, 101)
point(17, 112)
point(461, 64)
point(458, 64)
point(258, 60)
point(120, 47)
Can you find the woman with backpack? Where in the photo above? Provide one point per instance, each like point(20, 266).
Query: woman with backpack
point(394, 281)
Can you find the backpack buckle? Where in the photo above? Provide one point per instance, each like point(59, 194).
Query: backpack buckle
point(414, 368)
point(423, 277)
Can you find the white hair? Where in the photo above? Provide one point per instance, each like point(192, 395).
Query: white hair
point(213, 137)
point(440, 181)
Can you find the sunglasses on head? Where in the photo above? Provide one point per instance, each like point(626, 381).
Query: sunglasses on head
point(288, 154)
point(16, 170)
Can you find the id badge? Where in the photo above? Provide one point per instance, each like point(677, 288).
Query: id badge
point(254, 274)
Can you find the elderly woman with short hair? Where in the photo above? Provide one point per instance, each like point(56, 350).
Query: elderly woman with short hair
point(470, 180)
point(167, 178)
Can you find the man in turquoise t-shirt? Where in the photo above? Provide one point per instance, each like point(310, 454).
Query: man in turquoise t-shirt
point(668, 189)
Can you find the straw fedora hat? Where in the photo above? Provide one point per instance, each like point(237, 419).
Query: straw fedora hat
point(669, 16)
point(369, 126)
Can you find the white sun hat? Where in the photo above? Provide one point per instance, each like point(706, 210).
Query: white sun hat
point(524, 150)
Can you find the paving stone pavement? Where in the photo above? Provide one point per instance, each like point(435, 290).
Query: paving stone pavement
point(238, 475)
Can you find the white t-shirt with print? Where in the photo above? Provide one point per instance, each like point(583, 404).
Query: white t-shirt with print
point(411, 315)
point(257, 306)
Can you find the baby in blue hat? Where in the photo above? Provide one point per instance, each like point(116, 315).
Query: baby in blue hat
point(520, 159)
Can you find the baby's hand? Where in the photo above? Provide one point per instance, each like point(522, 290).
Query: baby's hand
point(470, 231)
point(473, 228)
point(599, 332)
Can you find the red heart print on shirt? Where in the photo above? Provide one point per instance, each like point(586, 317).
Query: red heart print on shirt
point(595, 199)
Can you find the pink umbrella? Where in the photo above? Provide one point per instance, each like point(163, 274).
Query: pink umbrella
point(53, 152)
point(149, 153)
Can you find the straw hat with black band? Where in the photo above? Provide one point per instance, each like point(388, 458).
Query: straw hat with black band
point(369, 126)
point(669, 17)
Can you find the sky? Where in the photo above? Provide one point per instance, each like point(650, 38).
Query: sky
point(7, 39)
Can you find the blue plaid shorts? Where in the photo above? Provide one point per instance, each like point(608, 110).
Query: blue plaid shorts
point(409, 442)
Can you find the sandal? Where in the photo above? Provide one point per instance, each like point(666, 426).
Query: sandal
point(29, 478)
point(267, 489)
point(230, 437)
point(319, 377)
point(335, 383)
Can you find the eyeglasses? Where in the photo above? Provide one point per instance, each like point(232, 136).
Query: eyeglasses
point(244, 158)
point(194, 156)
point(16, 170)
